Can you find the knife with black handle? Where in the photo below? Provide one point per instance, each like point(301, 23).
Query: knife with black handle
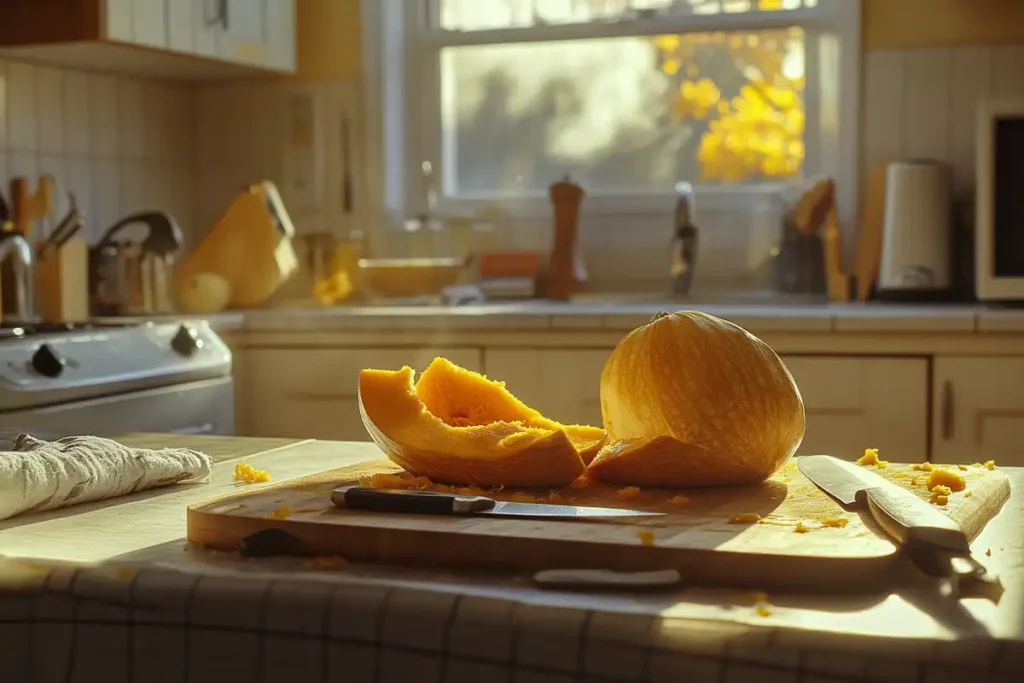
point(403, 500)
point(438, 503)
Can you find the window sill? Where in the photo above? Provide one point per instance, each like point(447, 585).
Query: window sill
point(716, 199)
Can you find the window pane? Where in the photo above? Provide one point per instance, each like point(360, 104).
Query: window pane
point(623, 114)
point(477, 15)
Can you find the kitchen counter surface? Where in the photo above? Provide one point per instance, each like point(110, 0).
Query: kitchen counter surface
point(612, 315)
point(228, 320)
point(287, 616)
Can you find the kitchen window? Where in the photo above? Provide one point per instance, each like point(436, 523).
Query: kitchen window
point(484, 102)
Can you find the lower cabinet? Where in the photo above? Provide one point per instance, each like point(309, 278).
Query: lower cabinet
point(313, 393)
point(978, 406)
point(853, 403)
point(563, 384)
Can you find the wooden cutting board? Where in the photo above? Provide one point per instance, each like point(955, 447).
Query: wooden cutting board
point(696, 538)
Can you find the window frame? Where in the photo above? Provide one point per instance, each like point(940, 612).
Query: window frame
point(402, 60)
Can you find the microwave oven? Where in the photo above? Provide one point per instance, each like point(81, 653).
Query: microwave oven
point(999, 202)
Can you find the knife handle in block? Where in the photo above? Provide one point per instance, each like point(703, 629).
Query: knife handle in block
point(914, 522)
point(412, 502)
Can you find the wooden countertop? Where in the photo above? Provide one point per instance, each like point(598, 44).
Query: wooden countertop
point(149, 527)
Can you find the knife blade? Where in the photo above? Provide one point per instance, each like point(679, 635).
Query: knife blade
point(436, 503)
point(933, 541)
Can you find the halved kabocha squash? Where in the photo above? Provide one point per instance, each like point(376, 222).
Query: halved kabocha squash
point(455, 426)
point(691, 400)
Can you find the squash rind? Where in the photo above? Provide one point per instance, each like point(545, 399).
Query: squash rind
point(503, 453)
point(693, 400)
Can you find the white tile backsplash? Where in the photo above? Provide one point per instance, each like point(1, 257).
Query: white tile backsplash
point(120, 144)
point(21, 106)
point(916, 103)
point(921, 102)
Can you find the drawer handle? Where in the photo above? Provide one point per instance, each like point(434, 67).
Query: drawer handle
point(947, 411)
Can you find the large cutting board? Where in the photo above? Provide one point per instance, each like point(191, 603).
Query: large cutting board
point(696, 538)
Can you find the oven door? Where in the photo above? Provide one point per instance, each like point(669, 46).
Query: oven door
point(205, 407)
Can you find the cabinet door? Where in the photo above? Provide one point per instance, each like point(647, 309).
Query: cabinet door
point(207, 23)
point(142, 22)
point(979, 410)
point(149, 22)
point(312, 393)
point(245, 35)
point(857, 403)
point(117, 20)
point(563, 384)
point(281, 34)
point(181, 25)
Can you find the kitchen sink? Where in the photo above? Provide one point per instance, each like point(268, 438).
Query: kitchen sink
point(616, 299)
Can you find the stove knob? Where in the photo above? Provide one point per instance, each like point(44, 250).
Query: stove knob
point(47, 362)
point(186, 341)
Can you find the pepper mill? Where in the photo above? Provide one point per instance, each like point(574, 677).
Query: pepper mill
point(565, 270)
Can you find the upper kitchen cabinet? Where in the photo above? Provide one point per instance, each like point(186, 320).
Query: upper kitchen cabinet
point(257, 32)
point(179, 39)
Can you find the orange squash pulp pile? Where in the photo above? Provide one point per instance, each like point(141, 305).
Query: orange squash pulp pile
point(688, 400)
point(455, 426)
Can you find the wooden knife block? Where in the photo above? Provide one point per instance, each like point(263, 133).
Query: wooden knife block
point(62, 282)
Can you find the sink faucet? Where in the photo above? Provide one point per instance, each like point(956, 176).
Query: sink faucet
point(427, 219)
point(14, 245)
point(684, 241)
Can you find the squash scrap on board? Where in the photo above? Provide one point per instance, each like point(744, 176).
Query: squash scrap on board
point(455, 426)
point(691, 400)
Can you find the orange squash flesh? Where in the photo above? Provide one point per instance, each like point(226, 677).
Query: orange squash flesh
point(463, 398)
point(455, 426)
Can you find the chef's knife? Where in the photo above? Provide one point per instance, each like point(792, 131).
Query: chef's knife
point(932, 540)
point(435, 503)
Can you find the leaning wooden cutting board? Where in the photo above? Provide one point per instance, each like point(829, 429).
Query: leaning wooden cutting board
point(696, 538)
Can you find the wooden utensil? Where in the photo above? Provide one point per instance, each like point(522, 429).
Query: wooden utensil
point(695, 536)
point(869, 239)
point(565, 270)
point(837, 281)
point(29, 206)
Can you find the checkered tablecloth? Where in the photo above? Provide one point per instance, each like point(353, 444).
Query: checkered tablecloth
point(149, 624)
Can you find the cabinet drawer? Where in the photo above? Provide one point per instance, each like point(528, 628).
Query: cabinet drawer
point(853, 403)
point(313, 394)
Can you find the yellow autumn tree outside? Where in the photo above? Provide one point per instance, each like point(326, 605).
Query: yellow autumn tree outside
point(735, 90)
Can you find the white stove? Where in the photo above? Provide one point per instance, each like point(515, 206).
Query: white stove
point(106, 378)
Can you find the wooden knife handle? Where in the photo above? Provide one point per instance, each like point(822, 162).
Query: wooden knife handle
point(405, 501)
point(21, 206)
point(914, 522)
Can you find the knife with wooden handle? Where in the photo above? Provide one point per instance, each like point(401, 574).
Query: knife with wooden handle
point(933, 541)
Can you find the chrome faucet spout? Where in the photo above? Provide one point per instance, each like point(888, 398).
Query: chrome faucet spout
point(14, 245)
point(684, 241)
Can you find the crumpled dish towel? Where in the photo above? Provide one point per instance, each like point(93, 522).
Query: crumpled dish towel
point(44, 475)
